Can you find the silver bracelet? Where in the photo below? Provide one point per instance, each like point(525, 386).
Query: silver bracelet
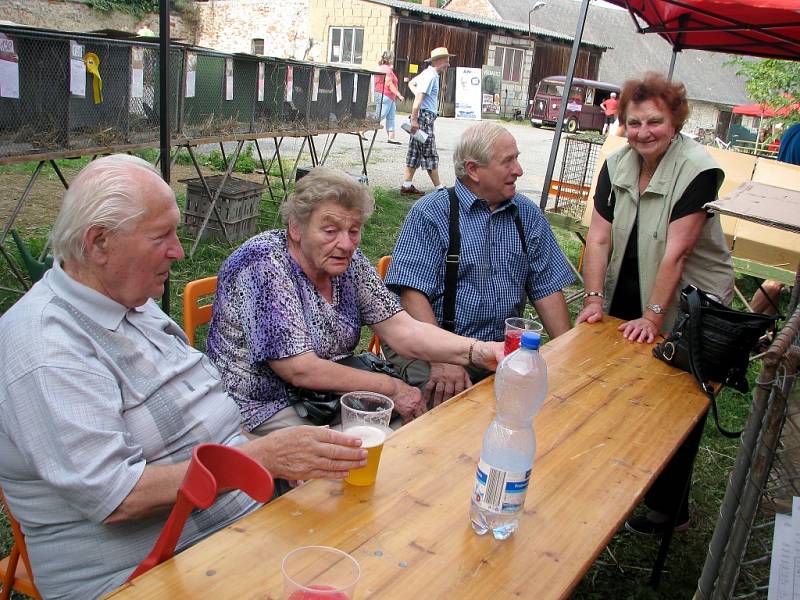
point(598, 294)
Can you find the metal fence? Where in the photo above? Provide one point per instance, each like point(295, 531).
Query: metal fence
point(66, 92)
point(571, 190)
point(765, 477)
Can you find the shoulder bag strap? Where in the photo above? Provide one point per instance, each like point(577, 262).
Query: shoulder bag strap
point(695, 358)
point(451, 265)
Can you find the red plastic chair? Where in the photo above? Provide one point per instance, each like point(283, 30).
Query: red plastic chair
point(214, 468)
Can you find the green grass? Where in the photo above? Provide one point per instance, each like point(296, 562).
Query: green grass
point(622, 571)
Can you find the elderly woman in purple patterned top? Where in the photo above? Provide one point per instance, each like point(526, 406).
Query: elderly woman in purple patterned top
point(291, 302)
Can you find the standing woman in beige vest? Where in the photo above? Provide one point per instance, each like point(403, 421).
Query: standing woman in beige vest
point(649, 238)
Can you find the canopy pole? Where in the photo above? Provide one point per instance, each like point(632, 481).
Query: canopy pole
point(672, 63)
point(163, 110)
point(573, 58)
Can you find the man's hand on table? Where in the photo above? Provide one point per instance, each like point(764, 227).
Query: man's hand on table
point(445, 381)
point(307, 452)
point(408, 401)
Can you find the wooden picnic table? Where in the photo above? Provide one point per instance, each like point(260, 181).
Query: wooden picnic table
point(613, 418)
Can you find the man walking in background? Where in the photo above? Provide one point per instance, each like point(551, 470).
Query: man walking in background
point(425, 88)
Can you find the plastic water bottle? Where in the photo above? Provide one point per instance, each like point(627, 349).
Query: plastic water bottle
point(509, 445)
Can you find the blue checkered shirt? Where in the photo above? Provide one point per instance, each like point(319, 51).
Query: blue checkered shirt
point(494, 274)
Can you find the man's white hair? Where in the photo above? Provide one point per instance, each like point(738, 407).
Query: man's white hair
point(476, 145)
point(103, 194)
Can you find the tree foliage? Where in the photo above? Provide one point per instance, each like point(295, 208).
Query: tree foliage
point(775, 83)
point(137, 8)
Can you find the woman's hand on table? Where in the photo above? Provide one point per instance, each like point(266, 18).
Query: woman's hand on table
point(641, 330)
point(445, 381)
point(408, 401)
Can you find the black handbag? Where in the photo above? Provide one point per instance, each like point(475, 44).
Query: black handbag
point(322, 408)
point(713, 343)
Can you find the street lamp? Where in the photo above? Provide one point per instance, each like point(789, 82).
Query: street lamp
point(537, 6)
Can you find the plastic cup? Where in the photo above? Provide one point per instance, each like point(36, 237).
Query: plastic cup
point(515, 326)
point(367, 415)
point(319, 573)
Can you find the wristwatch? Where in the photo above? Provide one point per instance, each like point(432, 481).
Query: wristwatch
point(656, 308)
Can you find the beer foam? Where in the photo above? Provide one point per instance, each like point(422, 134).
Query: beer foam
point(370, 436)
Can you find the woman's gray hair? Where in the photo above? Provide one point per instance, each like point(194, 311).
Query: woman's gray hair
point(103, 194)
point(323, 184)
point(387, 58)
point(476, 145)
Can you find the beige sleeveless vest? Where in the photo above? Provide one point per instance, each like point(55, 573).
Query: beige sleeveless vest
point(709, 266)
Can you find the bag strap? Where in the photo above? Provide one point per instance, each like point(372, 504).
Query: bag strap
point(451, 262)
point(695, 358)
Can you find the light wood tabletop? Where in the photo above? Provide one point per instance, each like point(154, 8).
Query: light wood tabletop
point(613, 418)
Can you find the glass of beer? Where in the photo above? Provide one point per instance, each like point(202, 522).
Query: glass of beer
point(319, 573)
point(367, 415)
point(515, 326)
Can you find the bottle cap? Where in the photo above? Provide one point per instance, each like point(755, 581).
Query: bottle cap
point(531, 340)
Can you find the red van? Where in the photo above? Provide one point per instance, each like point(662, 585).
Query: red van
point(583, 109)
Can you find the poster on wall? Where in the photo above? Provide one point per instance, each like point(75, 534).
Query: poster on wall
point(314, 84)
point(77, 70)
point(228, 79)
point(191, 74)
point(261, 82)
point(9, 68)
point(492, 82)
point(289, 84)
point(468, 93)
point(137, 72)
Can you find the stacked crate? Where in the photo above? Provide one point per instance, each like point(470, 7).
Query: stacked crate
point(239, 206)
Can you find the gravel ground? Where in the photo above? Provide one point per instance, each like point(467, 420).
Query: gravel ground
point(386, 162)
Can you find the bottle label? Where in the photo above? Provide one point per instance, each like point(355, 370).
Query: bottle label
point(498, 490)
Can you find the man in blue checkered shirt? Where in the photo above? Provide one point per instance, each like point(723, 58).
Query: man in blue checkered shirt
point(495, 274)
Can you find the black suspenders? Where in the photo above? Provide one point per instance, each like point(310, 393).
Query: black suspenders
point(452, 260)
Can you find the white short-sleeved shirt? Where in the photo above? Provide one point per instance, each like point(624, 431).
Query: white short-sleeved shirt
point(90, 393)
point(427, 82)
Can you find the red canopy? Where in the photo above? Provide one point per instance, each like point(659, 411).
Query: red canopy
point(762, 110)
point(767, 28)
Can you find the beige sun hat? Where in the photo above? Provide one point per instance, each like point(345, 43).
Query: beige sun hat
point(440, 52)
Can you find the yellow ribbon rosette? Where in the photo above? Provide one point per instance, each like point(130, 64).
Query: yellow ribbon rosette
point(92, 62)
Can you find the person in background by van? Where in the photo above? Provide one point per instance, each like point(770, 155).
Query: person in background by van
point(609, 106)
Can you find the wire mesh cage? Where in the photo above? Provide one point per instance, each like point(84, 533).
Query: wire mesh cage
point(365, 113)
point(63, 92)
point(219, 94)
point(269, 114)
point(297, 100)
point(571, 190)
point(145, 95)
point(765, 478)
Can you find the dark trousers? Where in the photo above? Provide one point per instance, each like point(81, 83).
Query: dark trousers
point(670, 491)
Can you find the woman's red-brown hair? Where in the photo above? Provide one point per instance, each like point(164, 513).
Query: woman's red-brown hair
point(656, 87)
